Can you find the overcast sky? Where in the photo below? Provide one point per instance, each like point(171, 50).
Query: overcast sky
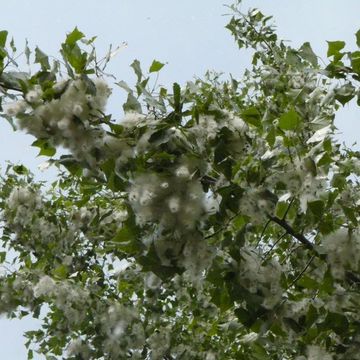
point(188, 35)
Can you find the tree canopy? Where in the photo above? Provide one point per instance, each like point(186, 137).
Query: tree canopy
point(218, 219)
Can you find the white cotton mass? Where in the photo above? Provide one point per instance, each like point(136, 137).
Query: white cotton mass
point(182, 172)
point(343, 250)
point(317, 353)
point(174, 204)
point(34, 96)
point(45, 286)
point(15, 108)
point(23, 196)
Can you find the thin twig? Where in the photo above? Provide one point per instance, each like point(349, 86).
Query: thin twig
point(288, 208)
point(274, 244)
point(302, 272)
point(223, 227)
point(263, 232)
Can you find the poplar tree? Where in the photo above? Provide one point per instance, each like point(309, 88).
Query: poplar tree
point(218, 219)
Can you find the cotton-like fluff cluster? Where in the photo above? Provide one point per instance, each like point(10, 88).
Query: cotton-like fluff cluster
point(23, 201)
point(78, 347)
point(15, 108)
point(117, 216)
point(296, 309)
point(26, 214)
point(340, 300)
point(311, 189)
point(256, 205)
point(125, 148)
point(208, 127)
point(178, 206)
point(23, 196)
point(144, 127)
point(69, 119)
point(175, 202)
point(196, 256)
point(343, 250)
point(159, 342)
point(123, 331)
point(68, 297)
point(259, 277)
point(212, 203)
point(80, 217)
point(14, 292)
point(112, 213)
point(34, 95)
point(45, 287)
point(233, 122)
point(151, 281)
point(72, 300)
point(300, 182)
point(133, 119)
point(316, 353)
point(119, 149)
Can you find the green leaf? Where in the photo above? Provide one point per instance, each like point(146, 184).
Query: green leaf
point(350, 214)
point(124, 86)
point(336, 322)
point(327, 284)
point(220, 297)
point(355, 61)
point(317, 207)
point(137, 69)
point(132, 104)
point(307, 282)
point(21, 169)
point(252, 116)
point(27, 52)
point(311, 315)
point(344, 93)
point(72, 165)
point(125, 240)
point(334, 48)
point(281, 208)
point(61, 272)
point(310, 165)
point(258, 352)
point(152, 262)
point(45, 148)
point(271, 136)
point(12, 45)
point(244, 316)
point(177, 96)
point(141, 87)
point(357, 34)
point(158, 135)
point(156, 66)
point(42, 59)
point(308, 54)
point(3, 37)
point(73, 37)
point(338, 181)
point(125, 234)
point(289, 120)
point(73, 55)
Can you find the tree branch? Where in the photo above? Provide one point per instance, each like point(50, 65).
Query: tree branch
point(292, 232)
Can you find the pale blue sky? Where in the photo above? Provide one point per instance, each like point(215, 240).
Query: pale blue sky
point(189, 35)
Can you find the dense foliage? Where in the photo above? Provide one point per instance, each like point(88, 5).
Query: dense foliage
point(216, 220)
